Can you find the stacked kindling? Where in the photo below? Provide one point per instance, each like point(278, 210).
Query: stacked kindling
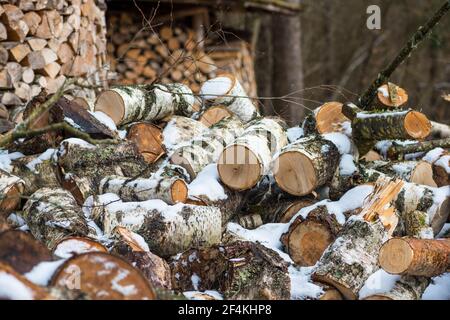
point(161, 199)
point(42, 43)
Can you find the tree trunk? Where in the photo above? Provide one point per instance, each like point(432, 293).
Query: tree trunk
point(287, 65)
point(125, 104)
point(306, 165)
point(53, 214)
point(206, 148)
point(242, 270)
point(243, 163)
point(307, 239)
point(399, 151)
point(415, 257)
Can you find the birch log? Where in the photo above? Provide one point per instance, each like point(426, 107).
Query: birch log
point(125, 104)
point(169, 186)
point(180, 130)
point(227, 91)
point(53, 214)
point(133, 248)
point(81, 166)
point(419, 172)
point(11, 189)
point(415, 257)
point(329, 118)
point(148, 139)
point(369, 127)
point(440, 130)
point(167, 229)
point(244, 162)
point(407, 288)
point(214, 114)
point(307, 238)
point(207, 147)
point(305, 165)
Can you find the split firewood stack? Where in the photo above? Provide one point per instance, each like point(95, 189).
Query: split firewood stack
point(236, 207)
point(43, 43)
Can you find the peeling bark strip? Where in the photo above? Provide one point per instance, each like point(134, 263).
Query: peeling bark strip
point(367, 128)
point(11, 188)
point(307, 239)
point(407, 288)
point(244, 162)
point(82, 166)
point(305, 165)
point(206, 148)
point(125, 104)
point(227, 91)
point(43, 174)
point(103, 277)
point(128, 245)
point(419, 172)
point(53, 214)
point(242, 270)
point(352, 258)
point(167, 230)
point(167, 187)
point(21, 251)
point(398, 151)
point(415, 257)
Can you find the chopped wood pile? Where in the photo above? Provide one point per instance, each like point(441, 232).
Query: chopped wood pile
point(174, 51)
point(42, 43)
point(141, 199)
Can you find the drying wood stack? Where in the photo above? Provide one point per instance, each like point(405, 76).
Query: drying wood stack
point(42, 43)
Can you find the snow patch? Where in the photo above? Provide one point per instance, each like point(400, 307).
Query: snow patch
point(378, 282)
point(207, 184)
point(439, 288)
point(433, 155)
point(47, 155)
point(216, 87)
point(347, 166)
point(444, 162)
point(341, 141)
point(6, 158)
point(294, 133)
point(12, 288)
point(43, 272)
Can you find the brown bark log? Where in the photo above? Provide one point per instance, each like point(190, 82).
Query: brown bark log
point(416, 257)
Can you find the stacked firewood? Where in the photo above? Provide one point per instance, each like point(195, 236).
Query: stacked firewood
point(158, 199)
point(44, 42)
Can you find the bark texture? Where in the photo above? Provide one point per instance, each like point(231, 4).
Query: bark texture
point(407, 288)
point(11, 188)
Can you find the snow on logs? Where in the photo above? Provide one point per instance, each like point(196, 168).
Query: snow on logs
point(52, 214)
point(227, 91)
point(416, 257)
point(207, 147)
point(126, 104)
point(306, 164)
point(406, 288)
point(11, 189)
point(243, 163)
point(391, 96)
point(168, 230)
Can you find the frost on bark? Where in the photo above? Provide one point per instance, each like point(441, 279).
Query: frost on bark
point(167, 229)
point(126, 104)
point(207, 147)
point(52, 214)
point(245, 161)
point(240, 270)
point(305, 165)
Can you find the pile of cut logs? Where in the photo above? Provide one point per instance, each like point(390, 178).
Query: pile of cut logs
point(149, 197)
point(44, 42)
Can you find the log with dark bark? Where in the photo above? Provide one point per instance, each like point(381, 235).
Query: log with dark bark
point(399, 151)
point(125, 104)
point(415, 257)
point(82, 166)
point(307, 238)
point(11, 189)
point(133, 248)
point(242, 270)
point(407, 288)
point(247, 159)
point(53, 214)
point(103, 276)
point(21, 251)
point(305, 165)
point(441, 171)
point(207, 147)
